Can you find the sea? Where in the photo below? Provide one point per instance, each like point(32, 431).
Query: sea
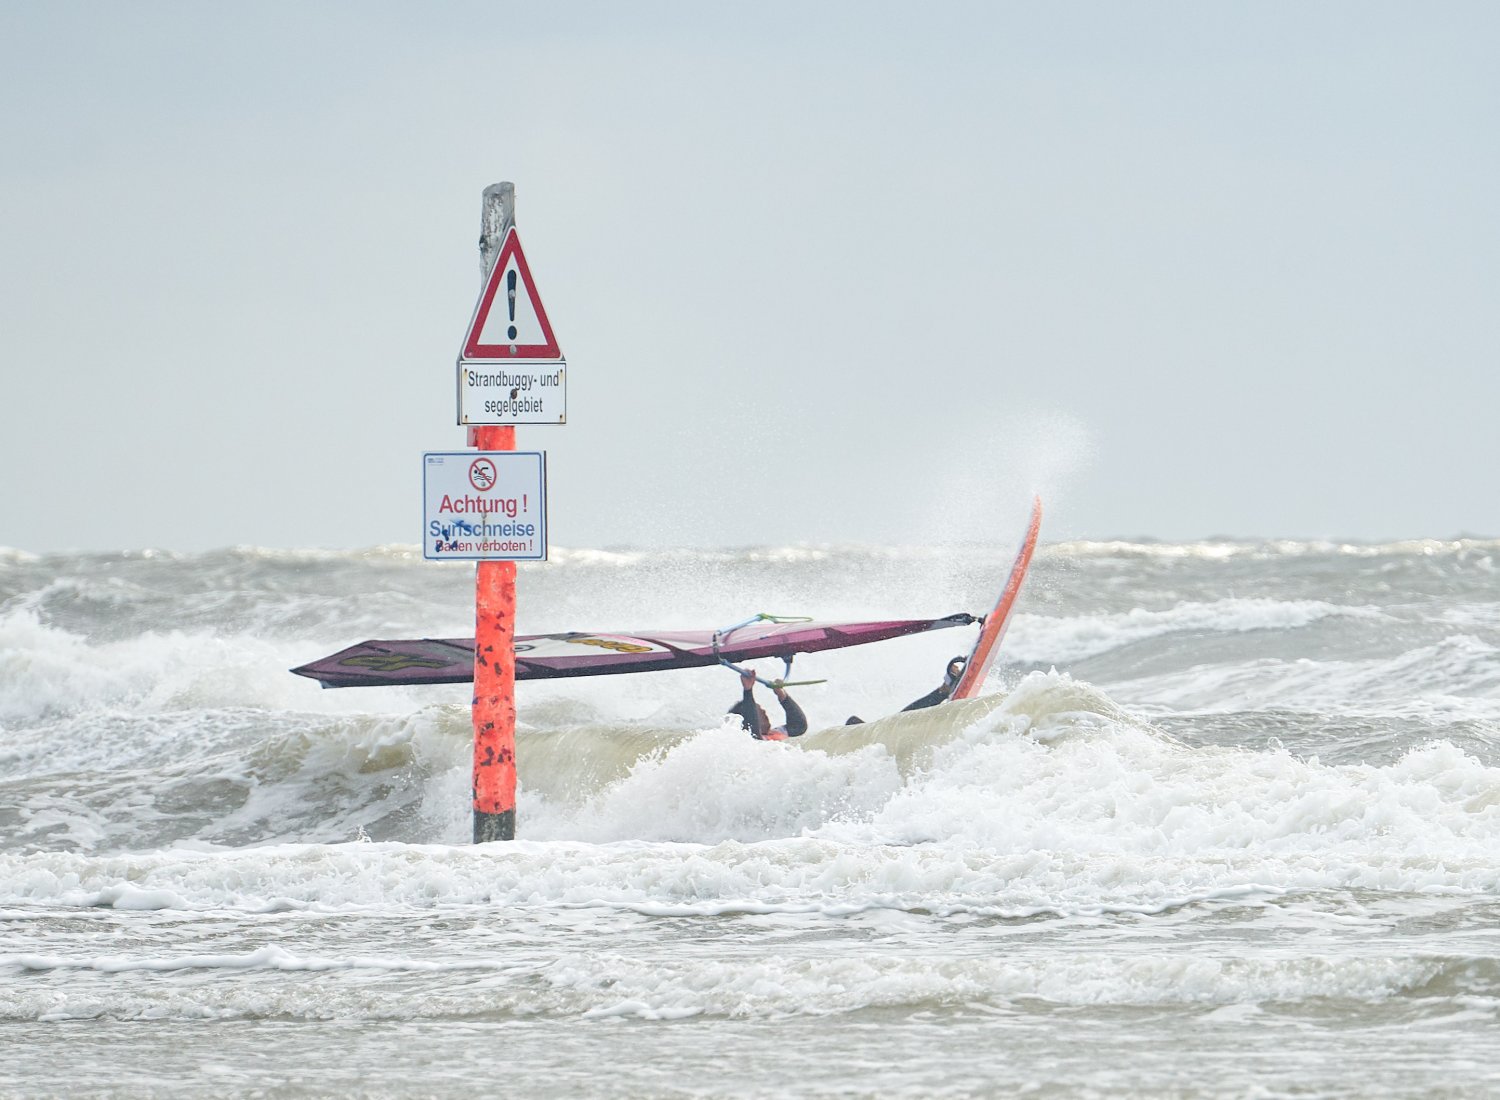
point(1225, 821)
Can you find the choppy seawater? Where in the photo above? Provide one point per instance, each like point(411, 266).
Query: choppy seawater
point(1226, 823)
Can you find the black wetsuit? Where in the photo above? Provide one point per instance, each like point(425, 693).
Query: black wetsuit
point(749, 712)
point(937, 695)
point(931, 699)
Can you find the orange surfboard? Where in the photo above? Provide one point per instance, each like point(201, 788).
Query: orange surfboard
point(988, 645)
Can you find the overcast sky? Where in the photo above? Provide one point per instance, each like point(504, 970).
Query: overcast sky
point(822, 271)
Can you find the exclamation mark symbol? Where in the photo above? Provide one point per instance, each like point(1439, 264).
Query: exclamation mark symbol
point(510, 284)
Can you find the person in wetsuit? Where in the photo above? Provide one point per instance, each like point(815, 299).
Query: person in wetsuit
point(754, 718)
point(952, 673)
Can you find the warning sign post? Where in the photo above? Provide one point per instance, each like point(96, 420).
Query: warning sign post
point(484, 506)
point(511, 369)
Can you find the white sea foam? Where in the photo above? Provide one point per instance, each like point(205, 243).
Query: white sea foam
point(46, 672)
point(1053, 801)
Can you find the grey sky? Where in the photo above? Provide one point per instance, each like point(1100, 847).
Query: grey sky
point(822, 271)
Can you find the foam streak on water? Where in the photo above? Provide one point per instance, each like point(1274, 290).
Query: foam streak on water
point(1225, 822)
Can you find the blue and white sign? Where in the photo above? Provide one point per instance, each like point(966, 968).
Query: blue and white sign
point(484, 505)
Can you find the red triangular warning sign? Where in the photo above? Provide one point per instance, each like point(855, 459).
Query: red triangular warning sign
point(509, 322)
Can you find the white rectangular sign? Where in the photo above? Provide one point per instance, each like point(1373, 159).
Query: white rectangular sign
point(500, 392)
point(484, 506)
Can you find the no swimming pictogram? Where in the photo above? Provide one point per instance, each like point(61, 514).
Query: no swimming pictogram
point(482, 474)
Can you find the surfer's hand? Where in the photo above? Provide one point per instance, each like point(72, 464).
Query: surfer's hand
point(747, 680)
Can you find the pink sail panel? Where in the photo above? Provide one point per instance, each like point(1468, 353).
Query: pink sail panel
point(543, 656)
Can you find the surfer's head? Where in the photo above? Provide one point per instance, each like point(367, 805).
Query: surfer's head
point(956, 668)
point(742, 708)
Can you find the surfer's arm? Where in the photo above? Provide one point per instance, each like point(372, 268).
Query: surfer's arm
point(750, 714)
point(940, 694)
point(796, 721)
point(749, 710)
point(931, 699)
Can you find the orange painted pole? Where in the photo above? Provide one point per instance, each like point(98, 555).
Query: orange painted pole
point(495, 682)
point(494, 609)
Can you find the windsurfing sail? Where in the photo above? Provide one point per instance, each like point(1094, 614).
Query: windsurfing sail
point(545, 656)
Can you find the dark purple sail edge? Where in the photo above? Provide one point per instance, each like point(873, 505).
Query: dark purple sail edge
point(544, 656)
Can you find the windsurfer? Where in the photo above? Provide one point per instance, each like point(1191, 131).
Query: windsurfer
point(952, 673)
point(754, 718)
